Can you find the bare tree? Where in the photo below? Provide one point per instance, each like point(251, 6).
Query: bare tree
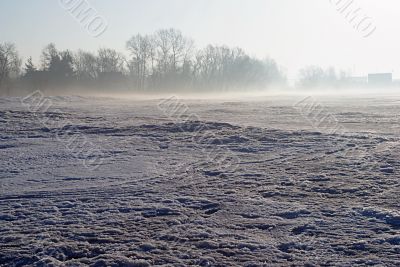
point(110, 61)
point(164, 60)
point(10, 63)
point(174, 56)
point(163, 51)
point(181, 49)
point(314, 76)
point(142, 52)
point(111, 70)
point(216, 66)
point(85, 65)
point(173, 49)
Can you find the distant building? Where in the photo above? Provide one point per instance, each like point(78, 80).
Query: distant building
point(380, 78)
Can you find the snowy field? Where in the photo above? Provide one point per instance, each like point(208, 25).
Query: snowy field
point(258, 182)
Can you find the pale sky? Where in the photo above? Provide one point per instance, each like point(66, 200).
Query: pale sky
point(296, 33)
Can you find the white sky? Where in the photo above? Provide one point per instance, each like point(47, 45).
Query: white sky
point(295, 33)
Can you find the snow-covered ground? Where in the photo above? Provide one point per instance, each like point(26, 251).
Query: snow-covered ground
point(99, 182)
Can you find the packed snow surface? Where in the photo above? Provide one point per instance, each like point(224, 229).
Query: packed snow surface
point(287, 193)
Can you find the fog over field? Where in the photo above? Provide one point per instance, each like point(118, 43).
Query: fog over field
point(199, 133)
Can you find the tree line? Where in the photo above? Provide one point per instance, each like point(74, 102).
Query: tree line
point(317, 77)
point(164, 61)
